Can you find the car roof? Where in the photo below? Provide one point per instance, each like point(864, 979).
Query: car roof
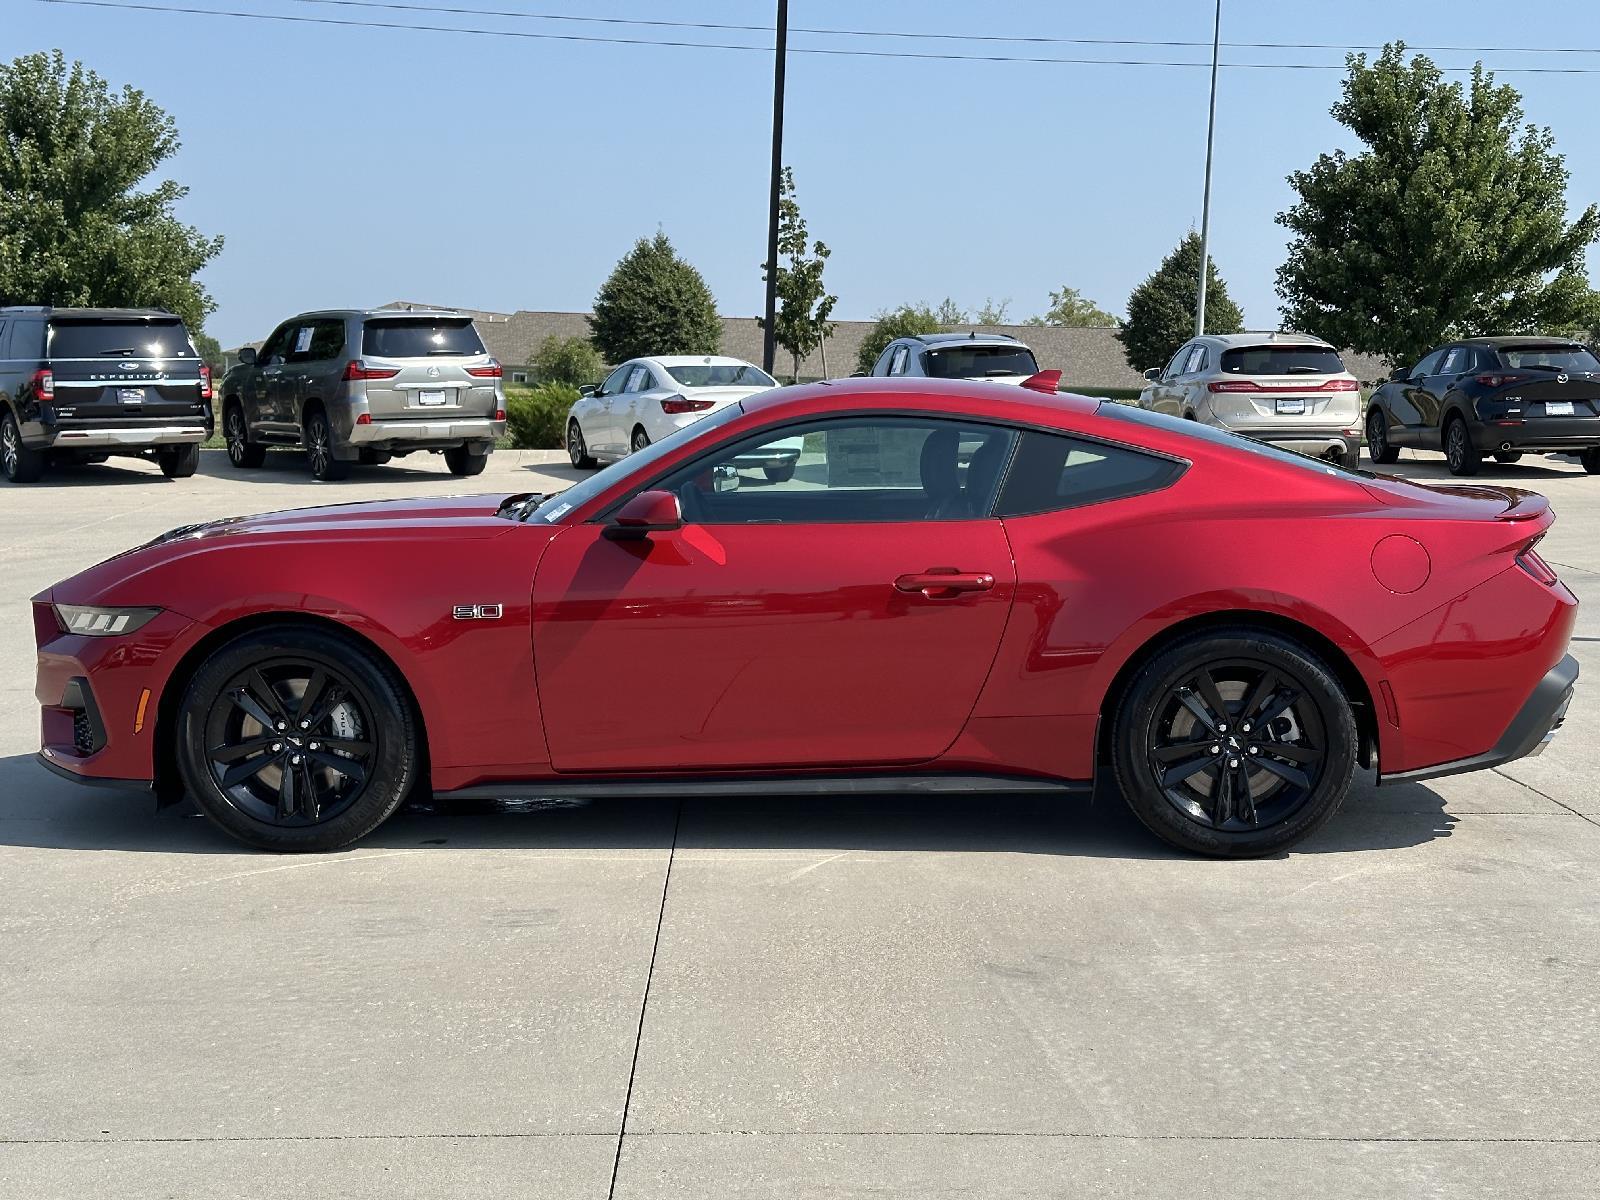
point(399, 313)
point(1274, 337)
point(1510, 342)
point(969, 339)
point(92, 314)
point(695, 360)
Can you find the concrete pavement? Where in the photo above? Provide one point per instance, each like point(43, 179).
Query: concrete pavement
point(923, 998)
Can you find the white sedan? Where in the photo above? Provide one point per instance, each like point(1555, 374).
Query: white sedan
point(645, 399)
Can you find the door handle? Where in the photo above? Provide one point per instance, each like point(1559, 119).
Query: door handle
point(940, 583)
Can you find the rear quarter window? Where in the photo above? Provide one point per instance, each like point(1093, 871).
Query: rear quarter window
point(420, 337)
point(1052, 472)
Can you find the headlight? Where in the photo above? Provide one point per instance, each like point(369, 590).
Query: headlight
point(103, 622)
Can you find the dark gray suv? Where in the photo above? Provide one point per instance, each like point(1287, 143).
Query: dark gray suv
point(79, 385)
point(365, 386)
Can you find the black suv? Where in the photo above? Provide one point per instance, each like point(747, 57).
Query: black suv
point(78, 385)
point(1494, 395)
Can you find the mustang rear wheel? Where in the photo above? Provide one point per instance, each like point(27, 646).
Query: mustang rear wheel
point(1234, 743)
point(295, 738)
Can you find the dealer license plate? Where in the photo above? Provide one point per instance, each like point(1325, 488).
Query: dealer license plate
point(1558, 408)
point(136, 396)
point(430, 399)
point(1291, 406)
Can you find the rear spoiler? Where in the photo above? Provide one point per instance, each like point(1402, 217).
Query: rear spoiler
point(1530, 508)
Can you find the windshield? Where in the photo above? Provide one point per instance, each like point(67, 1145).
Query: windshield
point(697, 375)
point(1222, 437)
point(1554, 358)
point(559, 504)
point(979, 362)
point(1282, 360)
point(420, 338)
point(130, 339)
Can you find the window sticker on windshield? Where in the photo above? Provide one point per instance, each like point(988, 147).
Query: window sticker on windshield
point(302, 339)
point(558, 512)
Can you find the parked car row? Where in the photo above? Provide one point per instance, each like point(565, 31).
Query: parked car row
point(80, 385)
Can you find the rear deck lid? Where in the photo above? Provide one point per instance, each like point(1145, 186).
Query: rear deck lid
point(132, 368)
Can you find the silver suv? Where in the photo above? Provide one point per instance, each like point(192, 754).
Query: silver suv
point(996, 357)
point(365, 386)
point(1289, 389)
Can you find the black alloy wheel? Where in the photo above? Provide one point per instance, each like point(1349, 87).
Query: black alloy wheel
point(641, 439)
point(1378, 447)
point(241, 453)
point(1235, 744)
point(576, 450)
point(1458, 452)
point(296, 739)
point(319, 449)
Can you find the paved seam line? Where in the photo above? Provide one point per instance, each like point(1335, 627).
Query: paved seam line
point(1546, 795)
point(644, 1001)
point(1314, 1139)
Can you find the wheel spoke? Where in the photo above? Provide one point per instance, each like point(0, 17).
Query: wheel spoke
point(286, 792)
point(1288, 750)
point(308, 791)
point(1284, 771)
point(1276, 707)
point(1192, 703)
point(1259, 695)
point(1222, 796)
point(1172, 753)
point(244, 749)
point(1213, 698)
point(313, 692)
point(1177, 774)
point(352, 769)
point(253, 708)
point(247, 769)
point(346, 745)
point(1247, 802)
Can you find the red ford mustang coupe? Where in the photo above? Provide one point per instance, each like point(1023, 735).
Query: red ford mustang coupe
point(961, 587)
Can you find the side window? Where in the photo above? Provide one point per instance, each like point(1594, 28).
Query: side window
point(1428, 366)
point(5, 350)
point(1053, 472)
point(897, 360)
point(1175, 367)
point(849, 469)
point(616, 381)
point(639, 380)
point(1455, 361)
point(273, 349)
point(327, 340)
point(1199, 360)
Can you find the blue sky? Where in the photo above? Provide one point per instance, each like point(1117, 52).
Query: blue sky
point(354, 166)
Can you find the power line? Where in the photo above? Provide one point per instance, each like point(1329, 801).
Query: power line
point(1037, 39)
point(521, 34)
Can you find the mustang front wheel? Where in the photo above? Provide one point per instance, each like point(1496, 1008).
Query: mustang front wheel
point(1234, 743)
point(295, 738)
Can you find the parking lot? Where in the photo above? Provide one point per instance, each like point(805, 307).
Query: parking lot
point(927, 997)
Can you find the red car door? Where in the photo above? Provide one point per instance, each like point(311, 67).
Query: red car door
point(774, 631)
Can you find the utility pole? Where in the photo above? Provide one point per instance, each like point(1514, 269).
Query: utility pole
point(1205, 206)
point(781, 53)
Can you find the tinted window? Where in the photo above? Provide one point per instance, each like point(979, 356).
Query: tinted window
point(978, 362)
point(418, 337)
point(327, 340)
point(847, 470)
point(1556, 358)
point(1054, 472)
point(721, 375)
point(1221, 437)
point(129, 339)
point(1428, 366)
point(274, 347)
point(1282, 360)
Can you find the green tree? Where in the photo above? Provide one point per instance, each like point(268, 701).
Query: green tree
point(569, 360)
point(1451, 222)
point(654, 303)
point(950, 313)
point(804, 305)
point(74, 229)
point(992, 313)
point(901, 322)
point(210, 353)
point(1071, 308)
point(1161, 309)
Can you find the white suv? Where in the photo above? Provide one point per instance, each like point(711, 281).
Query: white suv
point(995, 357)
point(1289, 389)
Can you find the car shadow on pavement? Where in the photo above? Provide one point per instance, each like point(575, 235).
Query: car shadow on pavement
point(39, 810)
point(290, 466)
point(1432, 468)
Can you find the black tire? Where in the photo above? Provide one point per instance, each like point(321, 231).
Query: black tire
point(1508, 457)
point(319, 449)
point(18, 463)
point(1591, 460)
point(1378, 447)
point(359, 716)
point(639, 441)
point(576, 450)
point(1304, 755)
point(242, 452)
point(1459, 455)
point(464, 461)
point(779, 474)
point(178, 462)
point(375, 458)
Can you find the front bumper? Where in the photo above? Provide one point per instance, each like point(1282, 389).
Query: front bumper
point(132, 437)
point(1530, 731)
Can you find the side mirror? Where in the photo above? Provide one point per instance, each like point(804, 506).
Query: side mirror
point(1399, 374)
point(725, 478)
point(649, 512)
point(247, 356)
point(588, 389)
point(1151, 373)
